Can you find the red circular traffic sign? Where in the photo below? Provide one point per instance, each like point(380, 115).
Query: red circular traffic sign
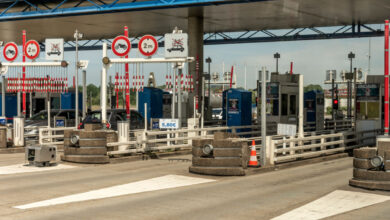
point(121, 46)
point(31, 49)
point(147, 45)
point(10, 51)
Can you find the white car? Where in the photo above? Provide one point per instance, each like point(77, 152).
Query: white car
point(217, 113)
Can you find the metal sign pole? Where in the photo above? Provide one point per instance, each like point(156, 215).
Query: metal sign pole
point(103, 86)
point(180, 72)
point(3, 97)
point(84, 93)
point(77, 79)
point(263, 117)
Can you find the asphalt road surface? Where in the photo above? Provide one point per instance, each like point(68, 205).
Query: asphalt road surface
point(163, 189)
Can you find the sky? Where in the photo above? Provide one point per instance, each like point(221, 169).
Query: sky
point(311, 58)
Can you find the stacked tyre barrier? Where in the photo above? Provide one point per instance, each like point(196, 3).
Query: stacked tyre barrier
point(86, 146)
point(225, 155)
point(371, 168)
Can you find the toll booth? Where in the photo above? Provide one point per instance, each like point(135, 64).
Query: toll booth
point(167, 106)
point(153, 97)
point(237, 109)
point(11, 108)
point(314, 110)
point(370, 103)
point(67, 101)
point(282, 100)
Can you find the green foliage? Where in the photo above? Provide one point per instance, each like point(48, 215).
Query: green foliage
point(312, 87)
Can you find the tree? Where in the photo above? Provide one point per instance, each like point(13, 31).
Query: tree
point(312, 87)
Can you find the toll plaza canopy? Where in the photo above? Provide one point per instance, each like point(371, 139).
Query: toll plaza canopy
point(105, 19)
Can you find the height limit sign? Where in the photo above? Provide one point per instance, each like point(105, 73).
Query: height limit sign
point(176, 45)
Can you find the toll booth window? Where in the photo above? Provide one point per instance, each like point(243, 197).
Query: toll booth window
point(293, 104)
point(367, 110)
point(284, 104)
point(320, 101)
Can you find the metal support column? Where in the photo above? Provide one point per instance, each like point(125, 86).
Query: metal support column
point(263, 117)
point(84, 93)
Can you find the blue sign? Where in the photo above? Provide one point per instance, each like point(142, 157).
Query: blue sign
point(60, 123)
point(3, 121)
point(155, 125)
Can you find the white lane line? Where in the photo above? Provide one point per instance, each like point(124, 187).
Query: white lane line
point(21, 168)
point(158, 183)
point(334, 203)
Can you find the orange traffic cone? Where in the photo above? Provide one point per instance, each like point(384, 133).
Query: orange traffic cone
point(253, 158)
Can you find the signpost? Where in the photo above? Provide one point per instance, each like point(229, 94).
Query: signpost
point(54, 49)
point(176, 45)
point(147, 45)
point(10, 51)
point(31, 49)
point(169, 123)
point(121, 46)
point(287, 129)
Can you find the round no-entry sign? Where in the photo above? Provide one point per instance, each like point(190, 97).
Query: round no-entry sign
point(121, 46)
point(147, 45)
point(31, 49)
point(10, 51)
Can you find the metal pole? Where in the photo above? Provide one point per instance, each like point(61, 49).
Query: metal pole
point(77, 79)
point(18, 96)
point(354, 92)
point(3, 97)
point(277, 65)
point(245, 76)
point(300, 106)
point(84, 93)
point(31, 100)
point(24, 75)
point(202, 110)
point(386, 133)
point(179, 101)
point(174, 94)
point(127, 87)
point(104, 88)
point(263, 116)
point(110, 91)
point(208, 103)
point(333, 112)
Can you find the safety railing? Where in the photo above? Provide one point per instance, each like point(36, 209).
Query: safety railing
point(48, 136)
point(293, 148)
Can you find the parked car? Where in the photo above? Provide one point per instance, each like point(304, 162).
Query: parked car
point(113, 116)
point(217, 113)
point(40, 119)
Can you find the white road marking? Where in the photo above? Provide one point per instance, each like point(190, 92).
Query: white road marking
point(22, 168)
point(334, 203)
point(158, 183)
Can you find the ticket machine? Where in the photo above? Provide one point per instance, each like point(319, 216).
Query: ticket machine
point(237, 108)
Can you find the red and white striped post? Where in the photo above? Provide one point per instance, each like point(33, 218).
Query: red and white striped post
point(386, 77)
point(24, 74)
point(127, 81)
point(291, 68)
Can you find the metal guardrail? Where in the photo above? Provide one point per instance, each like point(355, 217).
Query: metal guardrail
point(311, 146)
point(46, 136)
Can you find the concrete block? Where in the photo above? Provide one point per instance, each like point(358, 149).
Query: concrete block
point(364, 153)
point(370, 184)
point(197, 151)
point(218, 171)
point(383, 144)
point(92, 134)
point(3, 137)
point(217, 162)
point(362, 174)
point(362, 163)
point(387, 155)
point(201, 142)
point(92, 142)
point(85, 151)
point(91, 159)
point(387, 165)
point(227, 152)
point(111, 137)
point(223, 135)
point(92, 127)
point(227, 144)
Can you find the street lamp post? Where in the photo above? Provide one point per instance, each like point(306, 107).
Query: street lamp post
point(351, 56)
point(277, 56)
